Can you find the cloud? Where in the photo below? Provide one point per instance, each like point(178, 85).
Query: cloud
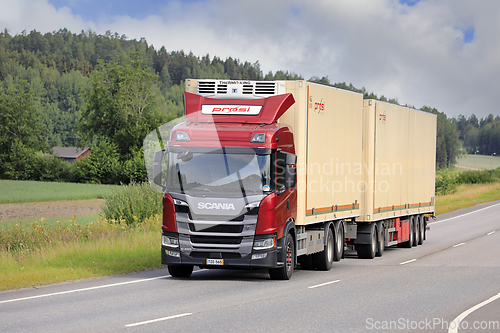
point(39, 15)
point(443, 54)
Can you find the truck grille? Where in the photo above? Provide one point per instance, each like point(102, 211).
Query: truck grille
point(223, 255)
point(265, 88)
point(215, 240)
point(211, 87)
point(194, 217)
point(222, 228)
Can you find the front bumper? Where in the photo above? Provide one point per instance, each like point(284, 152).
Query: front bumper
point(268, 258)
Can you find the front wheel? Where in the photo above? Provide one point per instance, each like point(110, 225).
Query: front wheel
point(285, 272)
point(180, 271)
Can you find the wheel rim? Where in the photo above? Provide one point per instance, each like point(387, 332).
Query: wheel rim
point(289, 255)
point(374, 241)
point(340, 241)
point(411, 233)
point(329, 246)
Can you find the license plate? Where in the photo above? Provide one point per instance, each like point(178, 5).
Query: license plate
point(215, 262)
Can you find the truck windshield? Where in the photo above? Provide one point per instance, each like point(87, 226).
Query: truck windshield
point(217, 173)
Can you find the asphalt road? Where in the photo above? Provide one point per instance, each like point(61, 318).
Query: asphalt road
point(425, 289)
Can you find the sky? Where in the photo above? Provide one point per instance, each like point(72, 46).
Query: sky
point(439, 53)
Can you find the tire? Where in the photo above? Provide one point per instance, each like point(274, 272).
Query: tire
point(324, 259)
point(367, 251)
point(338, 252)
point(422, 231)
point(180, 271)
point(380, 239)
point(285, 272)
point(416, 230)
point(408, 244)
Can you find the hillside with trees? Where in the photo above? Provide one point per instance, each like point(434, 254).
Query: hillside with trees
point(108, 92)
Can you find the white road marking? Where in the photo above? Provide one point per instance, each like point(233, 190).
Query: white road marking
point(451, 218)
point(88, 289)
point(455, 324)
point(407, 262)
point(84, 289)
point(323, 284)
point(490, 233)
point(159, 319)
point(457, 245)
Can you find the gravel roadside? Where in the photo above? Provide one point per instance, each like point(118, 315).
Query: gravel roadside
point(35, 210)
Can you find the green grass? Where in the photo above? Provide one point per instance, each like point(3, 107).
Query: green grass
point(54, 255)
point(51, 222)
point(467, 195)
point(486, 162)
point(16, 191)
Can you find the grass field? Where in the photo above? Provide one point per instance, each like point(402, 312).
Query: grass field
point(132, 249)
point(15, 191)
point(480, 161)
point(468, 195)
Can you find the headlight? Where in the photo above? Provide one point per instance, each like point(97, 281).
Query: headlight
point(173, 253)
point(169, 241)
point(182, 136)
point(252, 205)
point(262, 244)
point(180, 202)
point(259, 137)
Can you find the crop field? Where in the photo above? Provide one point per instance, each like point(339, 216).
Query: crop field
point(16, 191)
point(485, 162)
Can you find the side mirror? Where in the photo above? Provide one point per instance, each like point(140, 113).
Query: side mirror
point(157, 169)
point(290, 170)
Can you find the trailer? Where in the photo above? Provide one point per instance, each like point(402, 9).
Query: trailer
point(279, 174)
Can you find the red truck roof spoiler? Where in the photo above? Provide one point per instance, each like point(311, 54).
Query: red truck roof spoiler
point(201, 109)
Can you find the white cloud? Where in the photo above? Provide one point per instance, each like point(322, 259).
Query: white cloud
point(39, 15)
point(416, 54)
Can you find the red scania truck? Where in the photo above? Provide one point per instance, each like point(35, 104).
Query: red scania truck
point(271, 174)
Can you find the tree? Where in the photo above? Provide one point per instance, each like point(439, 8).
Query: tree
point(20, 125)
point(447, 142)
point(121, 105)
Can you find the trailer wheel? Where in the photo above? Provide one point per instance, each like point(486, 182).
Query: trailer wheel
point(180, 271)
point(339, 241)
point(416, 230)
point(285, 272)
point(422, 231)
point(381, 239)
point(409, 243)
point(324, 259)
point(367, 251)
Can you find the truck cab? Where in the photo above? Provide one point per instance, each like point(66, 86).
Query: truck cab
point(228, 172)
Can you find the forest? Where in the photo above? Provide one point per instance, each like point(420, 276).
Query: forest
point(68, 89)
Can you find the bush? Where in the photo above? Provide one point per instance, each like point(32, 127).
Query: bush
point(101, 167)
point(445, 184)
point(474, 177)
point(24, 163)
point(132, 203)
